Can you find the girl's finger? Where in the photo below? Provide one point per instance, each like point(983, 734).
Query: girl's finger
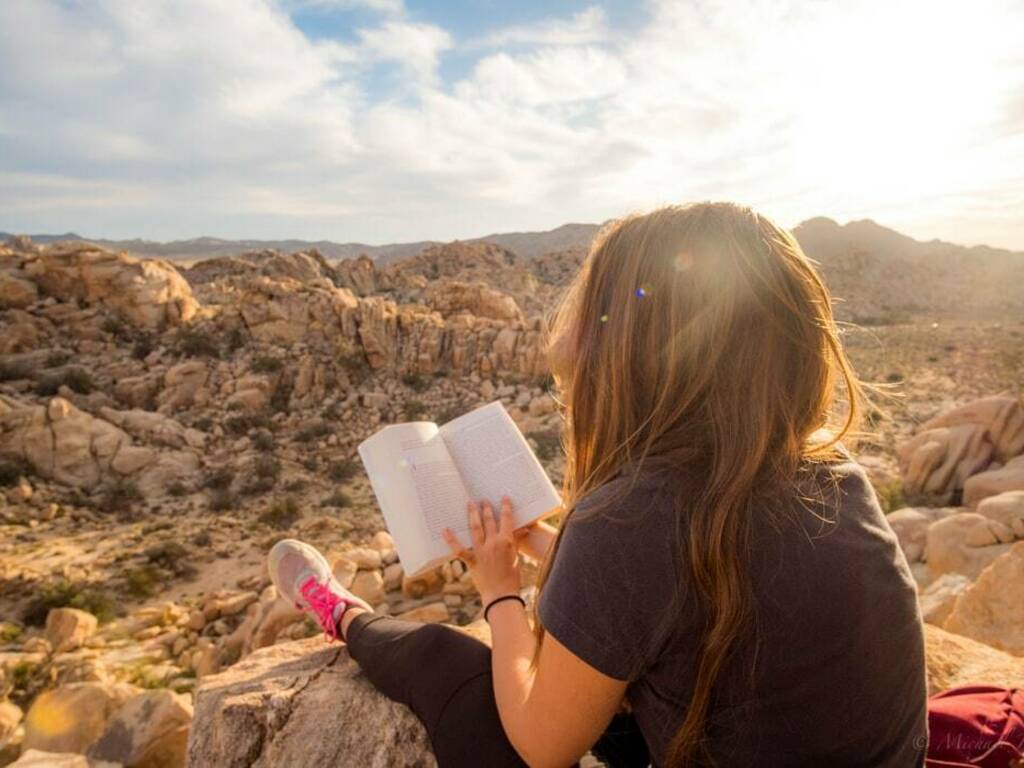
point(456, 546)
point(476, 528)
point(490, 524)
point(505, 525)
point(452, 540)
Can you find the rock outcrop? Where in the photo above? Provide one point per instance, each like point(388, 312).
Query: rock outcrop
point(955, 661)
point(72, 447)
point(294, 704)
point(958, 444)
point(991, 610)
point(148, 293)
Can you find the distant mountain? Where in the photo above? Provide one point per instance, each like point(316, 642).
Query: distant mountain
point(210, 247)
point(526, 244)
point(875, 273)
point(880, 276)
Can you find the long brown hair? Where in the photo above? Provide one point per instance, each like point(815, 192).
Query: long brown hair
point(699, 336)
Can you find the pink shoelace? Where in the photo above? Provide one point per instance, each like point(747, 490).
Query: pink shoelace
point(322, 602)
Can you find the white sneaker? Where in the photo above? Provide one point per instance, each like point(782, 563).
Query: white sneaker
point(302, 576)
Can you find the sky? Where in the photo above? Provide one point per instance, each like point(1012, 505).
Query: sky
point(396, 120)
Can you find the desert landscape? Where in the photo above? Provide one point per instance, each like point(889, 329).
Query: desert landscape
point(167, 415)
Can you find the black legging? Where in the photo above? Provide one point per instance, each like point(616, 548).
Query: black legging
point(444, 676)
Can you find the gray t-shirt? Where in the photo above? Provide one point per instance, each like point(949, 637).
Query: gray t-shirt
point(839, 678)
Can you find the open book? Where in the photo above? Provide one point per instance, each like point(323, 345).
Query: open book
point(424, 475)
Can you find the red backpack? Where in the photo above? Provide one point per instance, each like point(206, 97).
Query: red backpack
point(976, 727)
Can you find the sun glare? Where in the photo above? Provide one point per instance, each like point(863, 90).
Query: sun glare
point(895, 100)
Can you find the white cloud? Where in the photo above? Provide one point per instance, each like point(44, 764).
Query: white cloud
point(586, 27)
point(415, 46)
point(166, 119)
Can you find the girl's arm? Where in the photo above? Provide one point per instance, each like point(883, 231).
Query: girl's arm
point(555, 713)
point(535, 540)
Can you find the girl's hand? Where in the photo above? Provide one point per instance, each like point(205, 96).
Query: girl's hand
point(493, 559)
point(534, 540)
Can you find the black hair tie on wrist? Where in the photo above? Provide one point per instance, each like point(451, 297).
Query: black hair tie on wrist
point(499, 599)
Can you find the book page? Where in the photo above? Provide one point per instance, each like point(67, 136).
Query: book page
point(419, 490)
point(494, 460)
point(395, 488)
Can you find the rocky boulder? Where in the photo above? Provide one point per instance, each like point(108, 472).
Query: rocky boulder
point(69, 628)
point(71, 718)
point(995, 481)
point(965, 543)
point(453, 297)
point(955, 661)
point(148, 293)
point(991, 609)
point(294, 704)
point(149, 731)
point(952, 447)
point(74, 448)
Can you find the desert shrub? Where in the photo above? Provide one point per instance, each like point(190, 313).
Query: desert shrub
point(117, 328)
point(202, 539)
point(311, 463)
point(10, 471)
point(220, 479)
point(10, 371)
point(894, 378)
point(891, 495)
point(172, 556)
point(120, 497)
point(9, 633)
point(221, 500)
point(192, 342)
point(57, 358)
point(312, 432)
point(281, 397)
point(235, 339)
point(69, 594)
point(267, 467)
point(21, 674)
point(415, 410)
point(142, 582)
point(296, 485)
point(177, 489)
point(263, 441)
point(354, 363)
point(74, 378)
point(282, 514)
point(143, 347)
point(203, 423)
point(266, 364)
point(342, 470)
point(416, 382)
point(241, 423)
point(549, 443)
point(337, 499)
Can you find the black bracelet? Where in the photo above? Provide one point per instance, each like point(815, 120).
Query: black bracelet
point(499, 599)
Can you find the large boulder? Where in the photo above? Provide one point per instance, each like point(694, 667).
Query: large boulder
point(74, 448)
point(1006, 508)
point(954, 661)
point(965, 543)
point(34, 758)
point(949, 449)
point(149, 731)
point(149, 293)
point(295, 704)
point(992, 608)
point(69, 628)
point(70, 718)
point(995, 482)
point(452, 297)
